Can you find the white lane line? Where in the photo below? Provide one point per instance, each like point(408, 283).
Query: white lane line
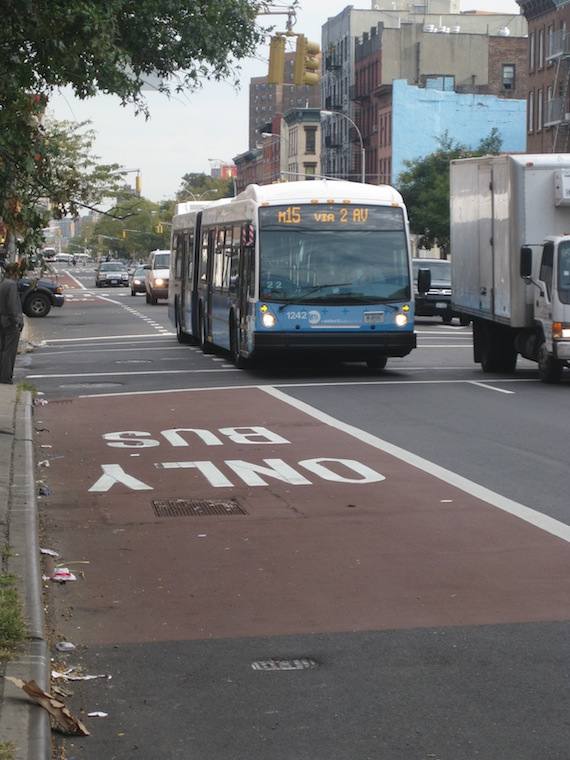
point(527, 514)
point(107, 350)
point(145, 372)
point(104, 337)
point(490, 387)
point(295, 385)
point(81, 285)
point(441, 345)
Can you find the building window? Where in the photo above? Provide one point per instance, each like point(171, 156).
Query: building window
point(445, 82)
point(508, 76)
point(531, 51)
point(550, 42)
point(310, 140)
point(530, 112)
point(539, 98)
point(310, 171)
point(548, 103)
point(540, 51)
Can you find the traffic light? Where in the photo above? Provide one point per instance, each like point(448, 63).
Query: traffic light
point(276, 60)
point(138, 184)
point(307, 65)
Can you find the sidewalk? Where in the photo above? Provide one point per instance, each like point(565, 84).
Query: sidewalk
point(22, 723)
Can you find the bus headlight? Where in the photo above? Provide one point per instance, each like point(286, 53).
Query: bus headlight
point(159, 282)
point(401, 320)
point(268, 319)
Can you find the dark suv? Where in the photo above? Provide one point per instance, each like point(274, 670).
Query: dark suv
point(437, 301)
point(38, 296)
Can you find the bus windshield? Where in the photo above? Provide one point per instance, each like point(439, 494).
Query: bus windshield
point(333, 254)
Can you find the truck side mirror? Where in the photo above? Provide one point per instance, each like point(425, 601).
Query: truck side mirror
point(526, 262)
point(424, 280)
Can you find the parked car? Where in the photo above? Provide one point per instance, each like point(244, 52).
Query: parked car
point(38, 296)
point(136, 281)
point(112, 274)
point(437, 301)
point(66, 258)
point(156, 276)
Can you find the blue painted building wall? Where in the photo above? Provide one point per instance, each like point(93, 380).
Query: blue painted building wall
point(420, 116)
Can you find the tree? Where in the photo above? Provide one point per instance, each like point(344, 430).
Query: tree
point(60, 177)
point(425, 187)
point(145, 229)
point(113, 47)
point(196, 186)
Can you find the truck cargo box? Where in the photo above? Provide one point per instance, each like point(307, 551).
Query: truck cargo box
point(497, 205)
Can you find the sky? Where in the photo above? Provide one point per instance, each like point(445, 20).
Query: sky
point(187, 130)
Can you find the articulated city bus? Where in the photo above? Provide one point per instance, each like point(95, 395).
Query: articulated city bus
point(319, 266)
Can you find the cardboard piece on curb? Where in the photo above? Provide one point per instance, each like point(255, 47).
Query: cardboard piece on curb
point(54, 707)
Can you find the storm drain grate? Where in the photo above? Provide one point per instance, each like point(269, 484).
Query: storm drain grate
point(196, 508)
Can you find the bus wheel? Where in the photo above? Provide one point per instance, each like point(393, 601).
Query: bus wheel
point(204, 344)
point(377, 362)
point(181, 336)
point(237, 358)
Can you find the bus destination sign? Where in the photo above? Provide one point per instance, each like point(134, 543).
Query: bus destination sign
point(327, 216)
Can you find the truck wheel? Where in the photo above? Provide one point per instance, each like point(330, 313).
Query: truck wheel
point(464, 320)
point(446, 319)
point(549, 368)
point(37, 305)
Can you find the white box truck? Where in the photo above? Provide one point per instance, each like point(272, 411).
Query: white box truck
point(510, 258)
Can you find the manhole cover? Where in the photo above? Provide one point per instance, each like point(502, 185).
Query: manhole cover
point(196, 507)
point(299, 663)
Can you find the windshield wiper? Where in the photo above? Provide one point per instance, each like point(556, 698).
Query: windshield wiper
point(300, 299)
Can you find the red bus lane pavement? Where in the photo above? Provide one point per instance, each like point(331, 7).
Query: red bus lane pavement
point(318, 532)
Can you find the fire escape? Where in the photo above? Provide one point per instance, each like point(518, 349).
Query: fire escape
point(557, 107)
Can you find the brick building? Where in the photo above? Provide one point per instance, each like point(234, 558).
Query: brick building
point(461, 64)
point(266, 100)
point(548, 64)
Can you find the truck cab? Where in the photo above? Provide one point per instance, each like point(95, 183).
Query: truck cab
point(548, 278)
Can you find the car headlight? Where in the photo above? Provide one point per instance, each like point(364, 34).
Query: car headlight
point(136, 282)
point(59, 289)
point(159, 282)
point(401, 320)
point(268, 319)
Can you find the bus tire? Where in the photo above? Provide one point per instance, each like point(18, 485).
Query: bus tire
point(205, 345)
point(181, 336)
point(239, 361)
point(377, 363)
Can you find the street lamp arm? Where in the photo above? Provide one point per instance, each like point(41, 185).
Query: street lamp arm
point(358, 132)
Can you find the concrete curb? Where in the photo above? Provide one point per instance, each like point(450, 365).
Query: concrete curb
point(22, 722)
point(25, 346)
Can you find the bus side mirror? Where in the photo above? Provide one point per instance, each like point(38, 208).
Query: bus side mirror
point(526, 262)
point(424, 280)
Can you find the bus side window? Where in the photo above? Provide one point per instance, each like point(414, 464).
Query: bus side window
point(227, 258)
point(218, 269)
point(234, 259)
point(204, 255)
point(179, 254)
point(190, 254)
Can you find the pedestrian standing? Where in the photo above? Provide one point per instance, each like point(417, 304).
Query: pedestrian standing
point(11, 322)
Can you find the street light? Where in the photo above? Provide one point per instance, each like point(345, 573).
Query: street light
point(362, 151)
point(199, 196)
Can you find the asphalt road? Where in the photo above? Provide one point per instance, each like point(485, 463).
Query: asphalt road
point(426, 609)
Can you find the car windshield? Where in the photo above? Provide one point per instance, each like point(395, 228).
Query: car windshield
point(161, 261)
point(139, 272)
point(440, 270)
point(112, 266)
point(333, 253)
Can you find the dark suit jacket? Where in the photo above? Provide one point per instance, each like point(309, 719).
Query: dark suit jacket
point(11, 317)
